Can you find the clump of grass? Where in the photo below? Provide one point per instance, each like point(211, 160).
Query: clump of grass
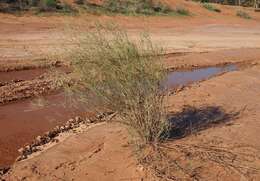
point(122, 76)
point(55, 6)
point(182, 11)
point(210, 7)
point(243, 14)
point(50, 3)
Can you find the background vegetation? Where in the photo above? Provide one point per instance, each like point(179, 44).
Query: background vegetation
point(211, 7)
point(132, 7)
point(39, 5)
point(243, 14)
point(126, 7)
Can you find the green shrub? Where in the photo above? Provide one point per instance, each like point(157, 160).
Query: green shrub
point(122, 76)
point(14, 5)
point(47, 5)
point(210, 7)
point(80, 2)
point(50, 3)
point(182, 11)
point(243, 14)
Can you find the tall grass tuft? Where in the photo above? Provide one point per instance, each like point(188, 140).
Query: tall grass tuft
point(243, 14)
point(123, 76)
point(210, 7)
point(182, 11)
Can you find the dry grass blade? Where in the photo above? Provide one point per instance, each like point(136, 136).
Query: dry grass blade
point(187, 161)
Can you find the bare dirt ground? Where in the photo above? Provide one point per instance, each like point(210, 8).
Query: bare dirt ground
point(226, 145)
point(226, 150)
point(103, 150)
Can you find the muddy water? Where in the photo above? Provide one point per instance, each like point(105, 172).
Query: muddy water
point(28, 74)
point(22, 121)
point(21, 75)
point(182, 78)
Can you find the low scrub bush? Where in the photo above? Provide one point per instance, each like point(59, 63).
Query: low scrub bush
point(55, 6)
point(243, 14)
point(182, 11)
point(122, 76)
point(47, 5)
point(210, 7)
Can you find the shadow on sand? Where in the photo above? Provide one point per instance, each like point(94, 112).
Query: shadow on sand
point(191, 120)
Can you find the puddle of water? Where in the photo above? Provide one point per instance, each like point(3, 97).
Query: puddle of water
point(183, 78)
point(22, 121)
point(21, 75)
point(27, 74)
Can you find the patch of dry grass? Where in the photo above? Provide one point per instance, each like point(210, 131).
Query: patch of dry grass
point(122, 76)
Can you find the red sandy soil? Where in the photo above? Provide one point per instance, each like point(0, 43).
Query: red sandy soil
point(100, 153)
point(234, 92)
point(21, 75)
point(243, 56)
point(28, 40)
point(31, 37)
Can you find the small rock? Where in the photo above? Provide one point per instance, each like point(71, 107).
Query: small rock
point(55, 140)
point(87, 120)
point(100, 116)
point(22, 157)
point(27, 147)
point(19, 158)
point(47, 133)
point(38, 138)
point(4, 170)
point(140, 167)
point(77, 119)
point(62, 128)
point(34, 149)
point(47, 140)
point(21, 150)
point(53, 133)
point(57, 128)
point(71, 120)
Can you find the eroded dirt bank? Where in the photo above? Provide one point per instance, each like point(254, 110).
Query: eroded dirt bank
point(23, 121)
point(100, 153)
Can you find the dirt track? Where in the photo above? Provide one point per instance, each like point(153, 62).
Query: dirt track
point(203, 40)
